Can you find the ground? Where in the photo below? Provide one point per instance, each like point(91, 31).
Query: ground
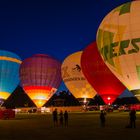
point(82, 126)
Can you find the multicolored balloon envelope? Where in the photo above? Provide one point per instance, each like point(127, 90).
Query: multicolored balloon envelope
point(99, 76)
point(9, 73)
point(40, 77)
point(118, 40)
point(74, 79)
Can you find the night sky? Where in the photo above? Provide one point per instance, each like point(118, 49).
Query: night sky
point(54, 27)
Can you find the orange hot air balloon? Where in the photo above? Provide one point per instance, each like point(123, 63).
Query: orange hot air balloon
point(74, 79)
point(40, 77)
point(99, 75)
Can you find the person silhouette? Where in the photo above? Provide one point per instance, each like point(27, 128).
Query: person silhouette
point(102, 118)
point(55, 119)
point(61, 118)
point(132, 116)
point(66, 118)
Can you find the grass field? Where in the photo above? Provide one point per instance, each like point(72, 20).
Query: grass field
point(82, 126)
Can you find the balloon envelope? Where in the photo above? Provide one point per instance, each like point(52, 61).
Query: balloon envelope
point(118, 40)
point(99, 76)
point(74, 79)
point(40, 77)
point(9, 73)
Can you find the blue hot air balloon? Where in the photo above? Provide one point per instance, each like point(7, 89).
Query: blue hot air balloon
point(9, 73)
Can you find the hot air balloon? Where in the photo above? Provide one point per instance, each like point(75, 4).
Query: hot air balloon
point(118, 40)
point(40, 77)
point(74, 79)
point(99, 76)
point(9, 73)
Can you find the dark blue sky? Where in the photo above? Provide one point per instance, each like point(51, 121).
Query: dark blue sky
point(54, 27)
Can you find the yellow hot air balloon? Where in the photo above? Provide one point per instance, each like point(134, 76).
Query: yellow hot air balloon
point(118, 40)
point(74, 79)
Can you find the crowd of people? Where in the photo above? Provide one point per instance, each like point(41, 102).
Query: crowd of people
point(60, 119)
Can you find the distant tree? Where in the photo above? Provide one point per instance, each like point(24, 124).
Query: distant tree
point(97, 100)
point(126, 100)
point(65, 96)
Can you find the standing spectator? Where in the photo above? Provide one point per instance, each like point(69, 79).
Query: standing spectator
point(61, 118)
point(55, 120)
point(102, 118)
point(66, 118)
point(132, 116)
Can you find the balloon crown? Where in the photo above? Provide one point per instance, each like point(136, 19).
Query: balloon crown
point(41, 55)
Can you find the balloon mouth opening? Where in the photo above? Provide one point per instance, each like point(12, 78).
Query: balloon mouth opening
point(39, 102)
point(108, 99)
point(84, 101)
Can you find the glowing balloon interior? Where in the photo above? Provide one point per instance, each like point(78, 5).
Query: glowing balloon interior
point(74, 79)
point(99, 75)
point(40, 77)
point(9, 73)
point(118, 40)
